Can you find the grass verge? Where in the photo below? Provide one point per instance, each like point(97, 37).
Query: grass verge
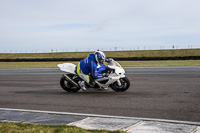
point(36, 128)
point(4, 65)
point(160, 63)
point(138, 53)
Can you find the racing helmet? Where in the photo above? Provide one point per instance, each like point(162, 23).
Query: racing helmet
point(100, 56)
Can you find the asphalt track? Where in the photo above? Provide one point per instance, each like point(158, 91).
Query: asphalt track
point(156, 92)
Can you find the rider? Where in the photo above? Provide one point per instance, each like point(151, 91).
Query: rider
point(91, 68)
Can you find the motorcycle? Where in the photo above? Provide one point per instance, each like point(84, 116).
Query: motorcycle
point(116, 79)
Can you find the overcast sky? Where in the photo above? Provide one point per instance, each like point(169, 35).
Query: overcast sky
point(70, 25)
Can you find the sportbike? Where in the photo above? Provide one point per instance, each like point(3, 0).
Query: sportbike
point(116, 79)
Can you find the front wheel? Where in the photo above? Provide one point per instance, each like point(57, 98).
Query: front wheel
point(125, 84)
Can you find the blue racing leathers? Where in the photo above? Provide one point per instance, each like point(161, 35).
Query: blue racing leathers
point(90, 67)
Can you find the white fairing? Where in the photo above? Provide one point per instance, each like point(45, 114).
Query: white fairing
point(67, 67)
point(118, 69)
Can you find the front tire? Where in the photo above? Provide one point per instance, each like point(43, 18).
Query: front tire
point(67, 86)
point(125, 84)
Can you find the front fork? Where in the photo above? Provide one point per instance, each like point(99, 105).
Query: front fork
point(119, 82)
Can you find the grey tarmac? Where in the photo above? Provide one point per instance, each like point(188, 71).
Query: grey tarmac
point(155, 92)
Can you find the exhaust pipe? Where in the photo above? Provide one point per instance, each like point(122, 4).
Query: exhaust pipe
point(71, 81)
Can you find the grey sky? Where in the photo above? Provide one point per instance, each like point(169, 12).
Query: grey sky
point(95, 24)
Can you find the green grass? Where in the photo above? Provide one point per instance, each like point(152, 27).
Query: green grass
point(35, 128)
point(123, 63)
point(160, 63)
point(142, 53)
point(139, 53)
point(31, 64)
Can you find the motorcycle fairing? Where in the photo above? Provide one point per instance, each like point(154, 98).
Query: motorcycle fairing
point(67, 67)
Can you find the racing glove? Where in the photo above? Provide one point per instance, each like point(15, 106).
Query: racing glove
point(105, 74)
point(107, 60)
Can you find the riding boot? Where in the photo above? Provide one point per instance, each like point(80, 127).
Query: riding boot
point(82, 84)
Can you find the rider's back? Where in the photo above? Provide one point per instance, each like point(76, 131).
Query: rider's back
point(87, 64)
point(89, 67)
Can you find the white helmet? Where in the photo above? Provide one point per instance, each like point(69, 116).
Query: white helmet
point(100, 56)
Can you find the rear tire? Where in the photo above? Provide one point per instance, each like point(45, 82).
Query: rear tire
point(67, 86)
point(125, 84)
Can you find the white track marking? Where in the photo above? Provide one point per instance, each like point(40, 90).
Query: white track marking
point(103, 116)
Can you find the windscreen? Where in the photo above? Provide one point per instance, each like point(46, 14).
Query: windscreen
point(113, 63)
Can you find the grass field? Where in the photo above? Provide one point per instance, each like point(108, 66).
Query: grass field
point(138, 53)
point(123, 63)
point(34, 128)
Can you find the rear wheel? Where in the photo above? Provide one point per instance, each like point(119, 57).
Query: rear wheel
point(68, 86)
point(125, 84)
